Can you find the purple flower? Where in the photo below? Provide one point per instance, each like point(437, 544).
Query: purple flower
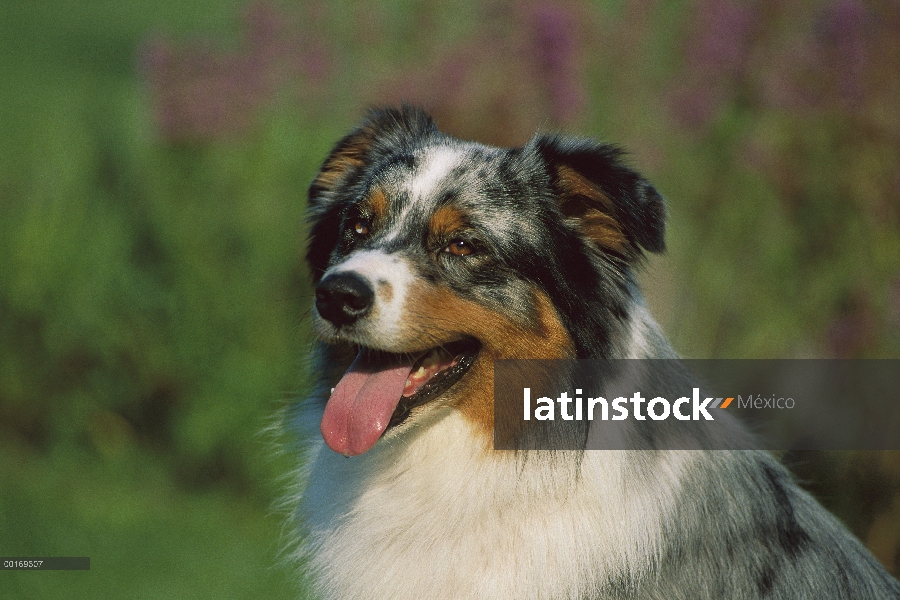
point(724, 34)
point(844, 33)
point(555, 50)
point(201, 93)
point(717, 57)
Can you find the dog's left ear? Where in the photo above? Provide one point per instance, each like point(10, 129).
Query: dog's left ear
point(610, 204)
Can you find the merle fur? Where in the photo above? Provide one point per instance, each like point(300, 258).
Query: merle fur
point(591, 292)
point(740, 527)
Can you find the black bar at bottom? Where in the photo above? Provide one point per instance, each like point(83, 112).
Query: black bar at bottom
point(45, 563)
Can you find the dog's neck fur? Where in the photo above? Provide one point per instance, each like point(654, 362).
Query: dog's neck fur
point(432, 514)
point(438, 518)
point(435, 513)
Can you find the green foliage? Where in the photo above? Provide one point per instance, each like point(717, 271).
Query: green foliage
point(146, 536)
point(152, 317)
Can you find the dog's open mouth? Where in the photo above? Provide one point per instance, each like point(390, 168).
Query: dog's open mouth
point(380, 389)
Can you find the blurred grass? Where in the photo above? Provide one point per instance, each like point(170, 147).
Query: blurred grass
point(154, 158)
point(150, 315)
point(146, 536)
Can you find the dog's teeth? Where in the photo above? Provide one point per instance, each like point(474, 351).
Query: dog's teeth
point(420, 372)
point(408, 382)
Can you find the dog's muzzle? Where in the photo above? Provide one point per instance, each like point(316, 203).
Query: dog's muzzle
point(343, 298)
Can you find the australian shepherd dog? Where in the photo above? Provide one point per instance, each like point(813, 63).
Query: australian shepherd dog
point(432, 258)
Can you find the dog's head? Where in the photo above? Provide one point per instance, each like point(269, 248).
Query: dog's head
point(432, 257)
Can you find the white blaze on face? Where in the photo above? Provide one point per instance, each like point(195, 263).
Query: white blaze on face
point(390, 277)
point(435, 164)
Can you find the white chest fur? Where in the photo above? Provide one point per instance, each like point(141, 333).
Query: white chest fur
point(435, 515)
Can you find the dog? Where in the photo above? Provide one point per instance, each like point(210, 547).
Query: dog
point(432, 258)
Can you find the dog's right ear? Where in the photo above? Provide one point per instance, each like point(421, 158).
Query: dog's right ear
point(324, 211)
point(348, 156)
point(382, 132)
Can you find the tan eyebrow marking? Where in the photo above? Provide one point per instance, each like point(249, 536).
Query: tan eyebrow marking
point(446, 220)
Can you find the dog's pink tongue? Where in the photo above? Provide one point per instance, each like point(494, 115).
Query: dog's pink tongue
point(361, 406)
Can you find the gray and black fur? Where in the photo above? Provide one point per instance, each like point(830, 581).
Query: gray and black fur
point(568, 218)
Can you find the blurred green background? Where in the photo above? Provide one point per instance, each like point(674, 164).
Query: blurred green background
point(154, 158)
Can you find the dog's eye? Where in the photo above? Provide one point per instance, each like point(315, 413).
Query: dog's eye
point(459, 248)
point(362, 227)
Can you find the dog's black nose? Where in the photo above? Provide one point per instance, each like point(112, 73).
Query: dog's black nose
point(343, 298)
